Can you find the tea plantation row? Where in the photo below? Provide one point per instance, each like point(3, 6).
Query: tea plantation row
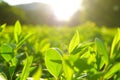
point(85, 52)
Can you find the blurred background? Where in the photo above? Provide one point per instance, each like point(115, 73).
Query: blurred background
point(60, 12)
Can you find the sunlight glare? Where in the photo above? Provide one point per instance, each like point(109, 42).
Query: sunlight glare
point(64, 9)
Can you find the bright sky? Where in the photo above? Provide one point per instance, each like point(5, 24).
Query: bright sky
point(63, 9)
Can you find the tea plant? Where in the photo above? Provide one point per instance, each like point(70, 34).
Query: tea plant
point(11, 62)
point(90, 60)
point(26, 54)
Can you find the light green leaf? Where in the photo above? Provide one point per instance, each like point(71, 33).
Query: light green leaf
point(44, 45)
point(38, 73)
point(2, 76)
point(115, 42)
point(53, 62)
point(26, 69)
point(74, 42)
point(67, 68)
point(81, 47)
point(23, 40)
point(17, 31)
point(112, 71)
point(7, 52)
point(101, 50)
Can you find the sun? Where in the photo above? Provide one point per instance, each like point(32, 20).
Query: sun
point(64, 9)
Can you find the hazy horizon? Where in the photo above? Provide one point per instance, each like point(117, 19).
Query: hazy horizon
point(63, 9)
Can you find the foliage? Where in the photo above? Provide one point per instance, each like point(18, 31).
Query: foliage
point(25, 53)
point(86, 62)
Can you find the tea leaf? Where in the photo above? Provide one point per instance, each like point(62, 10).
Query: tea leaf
point(74, 42)
point(101, 50)
point(38, 73)
point(23, 40)
point(7, 52)
point(115, 43)
point(11, 71)
point(3, 76)
point(112, 71)
point(17, 31)
point(53, 61)
point(26, 69)
point(2, 27)
point(67, 68)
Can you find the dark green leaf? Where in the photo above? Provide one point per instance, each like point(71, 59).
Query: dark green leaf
point(101, 50)
point(2, 27)
point(11, 71)
point(7, 52)
point(82, 64)
point(12, 67)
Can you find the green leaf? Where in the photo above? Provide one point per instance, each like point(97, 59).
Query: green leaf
point(96, 76)
point(81, 47)
point(74, 42)
point(2, 27)
point(26, 69)
point(17, 31)
point(11, 71)
point(23, 40)
point(101, 50)
point(2, 76)
point(115, 43)
point(12, 67)
point(7, 52)
point(44, 45)
point(112, 71)
point(83, 64)
point(67, 68)
point(38, 73)
point(53, 62)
